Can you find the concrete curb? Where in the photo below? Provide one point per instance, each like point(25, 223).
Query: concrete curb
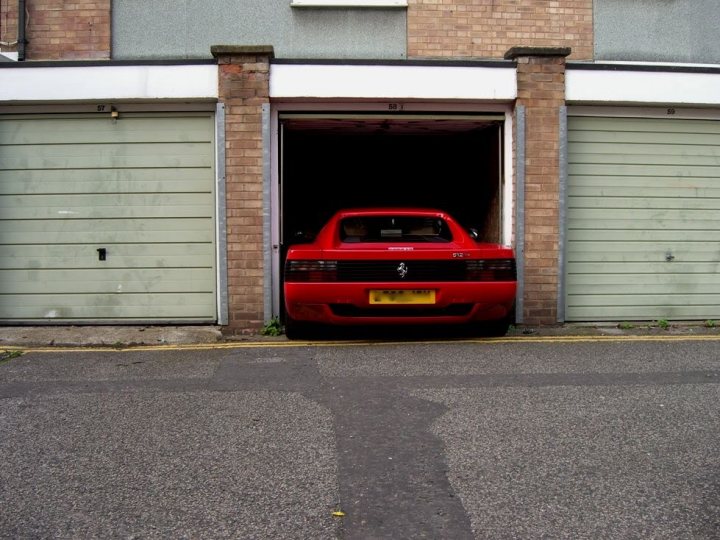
point(106, 336)
point(128, 337)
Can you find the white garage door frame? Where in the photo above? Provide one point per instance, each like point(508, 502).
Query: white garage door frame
point(216, 111)
point(392, 109)
point(640, 112)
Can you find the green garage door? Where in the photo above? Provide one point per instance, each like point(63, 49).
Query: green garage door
point(107, 220)
point(643, 219)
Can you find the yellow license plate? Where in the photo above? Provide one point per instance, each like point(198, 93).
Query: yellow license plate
point(402, 297)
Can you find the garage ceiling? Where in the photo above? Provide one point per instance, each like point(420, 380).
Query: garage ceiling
point(389, 124)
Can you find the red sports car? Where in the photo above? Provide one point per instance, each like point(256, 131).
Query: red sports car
point(398, 266)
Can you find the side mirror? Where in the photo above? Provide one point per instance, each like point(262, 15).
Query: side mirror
point(474, 233)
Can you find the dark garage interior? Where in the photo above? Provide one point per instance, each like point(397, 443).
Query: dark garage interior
point(449, 163)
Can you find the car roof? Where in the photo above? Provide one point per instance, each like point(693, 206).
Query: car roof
point(410, 211)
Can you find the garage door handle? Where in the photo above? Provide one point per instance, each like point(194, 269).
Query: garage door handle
point(102, 254)
point(669, 257)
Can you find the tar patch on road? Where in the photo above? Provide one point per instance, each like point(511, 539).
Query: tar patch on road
point(392, 471)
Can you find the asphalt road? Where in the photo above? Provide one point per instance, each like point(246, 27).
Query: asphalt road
point(518, 439)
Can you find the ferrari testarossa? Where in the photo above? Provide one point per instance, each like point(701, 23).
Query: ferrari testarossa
point(398, 266)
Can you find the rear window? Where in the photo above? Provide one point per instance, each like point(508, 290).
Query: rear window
point(394, 229)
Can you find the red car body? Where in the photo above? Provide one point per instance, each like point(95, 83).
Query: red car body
point(405, 266)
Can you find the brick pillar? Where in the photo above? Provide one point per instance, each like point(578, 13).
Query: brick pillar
point(541, 91)
point(244, 88)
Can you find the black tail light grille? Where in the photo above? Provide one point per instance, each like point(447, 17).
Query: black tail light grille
point(408, 271)
point(491, 270)
point(311, 271)
point(400, 271)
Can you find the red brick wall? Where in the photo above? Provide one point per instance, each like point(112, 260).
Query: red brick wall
point(541, 90)
point(244, 88)
point(60, 29)
point(8, 24)
point(488, 28)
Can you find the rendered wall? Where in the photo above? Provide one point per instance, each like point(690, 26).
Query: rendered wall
point(188, 28)
point(658, 30)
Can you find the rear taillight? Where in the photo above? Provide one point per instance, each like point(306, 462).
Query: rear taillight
point(490, 270)
point(311, 271)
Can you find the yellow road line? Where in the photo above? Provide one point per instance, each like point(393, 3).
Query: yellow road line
point(363, 343)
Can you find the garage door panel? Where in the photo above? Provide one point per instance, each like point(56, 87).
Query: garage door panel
point(692, 158)
point(655, 235)
point(646, 203)
point(687, 185)
point(641, 191)
point(629, 287)
point(135, 128)
point(640, 300)
point(643, 153)
point(653, 171)
point(657, 292)
point(595, 215)
point(97, 156)
point(629, 191)
point(707, 281)
point(645, 313)
point(108, 281)
point(599, 124)
point(649, 269)
point(72, 181)
point(120, 230)
point(630, 225)
point(118, 256)
point(135, 206)
point(642, 252)
point(105, 306)
point(141, 187)
point(640, 137)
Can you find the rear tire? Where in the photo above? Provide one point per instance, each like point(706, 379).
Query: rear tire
point(293, 328)
point(499, 327)
point(495, 328)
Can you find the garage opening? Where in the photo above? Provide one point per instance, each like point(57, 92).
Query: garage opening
point(450, 162)
point(453, 162)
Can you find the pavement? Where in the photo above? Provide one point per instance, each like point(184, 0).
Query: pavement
point(128, 336)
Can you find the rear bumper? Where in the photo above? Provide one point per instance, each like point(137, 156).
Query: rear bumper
point(348, 303)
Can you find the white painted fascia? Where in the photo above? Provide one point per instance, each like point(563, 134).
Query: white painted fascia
point(321, 81)
point(111, 82)
point(642, 87)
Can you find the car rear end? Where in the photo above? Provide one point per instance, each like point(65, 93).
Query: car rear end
point(432, 291)
point(438, 276)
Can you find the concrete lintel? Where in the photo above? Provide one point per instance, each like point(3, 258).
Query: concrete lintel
point(238, 50)
point(514, 52)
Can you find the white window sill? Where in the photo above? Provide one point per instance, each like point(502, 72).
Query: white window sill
point(349, 3)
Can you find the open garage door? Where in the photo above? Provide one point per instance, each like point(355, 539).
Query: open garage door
point(329, 162)
point(107, 219)
point(453, 162)
point(643, 227)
